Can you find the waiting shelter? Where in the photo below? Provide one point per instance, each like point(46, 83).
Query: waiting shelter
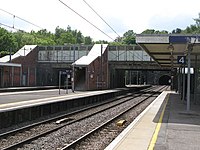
point(180, 53)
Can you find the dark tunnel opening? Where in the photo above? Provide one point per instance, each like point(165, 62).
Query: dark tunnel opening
point(164, 80)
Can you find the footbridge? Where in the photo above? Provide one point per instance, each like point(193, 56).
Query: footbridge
point(98, 66)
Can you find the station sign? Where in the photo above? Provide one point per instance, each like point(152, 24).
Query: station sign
point(195, 39)
point(181, 59)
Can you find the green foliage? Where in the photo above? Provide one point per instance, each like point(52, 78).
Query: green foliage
point(4, 53)
point(177, 31)
point(16, 40)
point(7, 40)
point(101, 42)
point(197, 20)
point(192, 29)
point(116, 44)
point(88, 40)
point(129, 37)
point(152, 31)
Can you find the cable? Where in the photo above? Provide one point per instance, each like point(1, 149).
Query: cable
point(12, 27)
point(20, 18)
point(100, 17)
point(86, 20)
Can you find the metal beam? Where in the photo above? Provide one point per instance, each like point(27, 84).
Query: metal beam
point(188, 79)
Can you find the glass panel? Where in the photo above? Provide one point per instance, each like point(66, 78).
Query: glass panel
point(49, 48)
point(112, 55)
point(66, 48)
point(57, 48)
point(122, 55)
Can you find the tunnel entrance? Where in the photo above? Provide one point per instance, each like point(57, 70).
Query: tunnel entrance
point(164, 80)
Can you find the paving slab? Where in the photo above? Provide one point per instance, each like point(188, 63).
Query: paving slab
point(180, 129)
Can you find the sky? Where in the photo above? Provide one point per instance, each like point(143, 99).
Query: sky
point(121, 15)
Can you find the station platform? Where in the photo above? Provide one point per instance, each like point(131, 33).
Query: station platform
point(163, 125)
point(23, 99)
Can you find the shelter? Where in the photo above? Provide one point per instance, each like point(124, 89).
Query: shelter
point(19, 69)
point(176, 52)
point(92, 70)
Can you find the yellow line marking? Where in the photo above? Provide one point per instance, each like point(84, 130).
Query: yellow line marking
point(158, 126)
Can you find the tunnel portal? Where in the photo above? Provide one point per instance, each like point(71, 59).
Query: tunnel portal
point(164, 80)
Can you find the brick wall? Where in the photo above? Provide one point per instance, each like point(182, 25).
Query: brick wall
point(24, 76)
point(97, 73)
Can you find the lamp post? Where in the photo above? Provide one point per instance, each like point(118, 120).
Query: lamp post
point(101, 67)
point(188, 76)
point(171, 49)
point(73, 69)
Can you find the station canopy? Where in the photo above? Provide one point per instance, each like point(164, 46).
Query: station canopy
point(170, 50)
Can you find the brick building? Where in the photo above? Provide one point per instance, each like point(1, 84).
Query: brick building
point(19, 69)
point(36, 65)
point(91, 71)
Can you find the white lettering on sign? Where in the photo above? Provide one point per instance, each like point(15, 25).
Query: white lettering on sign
point(195, 40)
point(181, 59)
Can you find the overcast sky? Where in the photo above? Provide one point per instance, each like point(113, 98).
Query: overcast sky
point(122, 15)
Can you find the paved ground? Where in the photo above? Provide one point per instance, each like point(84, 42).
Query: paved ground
point(138, 135)
point(180, 129)
point(10, 97)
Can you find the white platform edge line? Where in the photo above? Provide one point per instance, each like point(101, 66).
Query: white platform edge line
point(36, 102)
point(115, 142)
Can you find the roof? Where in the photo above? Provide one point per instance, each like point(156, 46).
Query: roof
point(25, 50)
point(166, 49)
point(10, 64)
point(95, 52)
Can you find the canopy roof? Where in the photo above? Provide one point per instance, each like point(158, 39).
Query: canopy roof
point(96, 51)
point(25, 50)
point(166, 49)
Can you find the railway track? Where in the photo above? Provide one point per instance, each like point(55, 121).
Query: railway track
point(82, 142)
point(65, 121)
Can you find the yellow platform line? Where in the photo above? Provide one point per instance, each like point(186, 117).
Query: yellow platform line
point(158, 126)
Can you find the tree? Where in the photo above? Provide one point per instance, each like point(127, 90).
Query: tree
point(88, 40)
point(101, 42)
point(152, 31)
point(193, 29)
point(148, 31)
point(197, 20)
point(7, 40)
point(58, 32)
point(177, 31)
point(129, 37)
point(67, 37)
point(79, 38)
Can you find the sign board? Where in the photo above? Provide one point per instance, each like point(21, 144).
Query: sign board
point(195, 40)
point(152, 39)
point(181, 59)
